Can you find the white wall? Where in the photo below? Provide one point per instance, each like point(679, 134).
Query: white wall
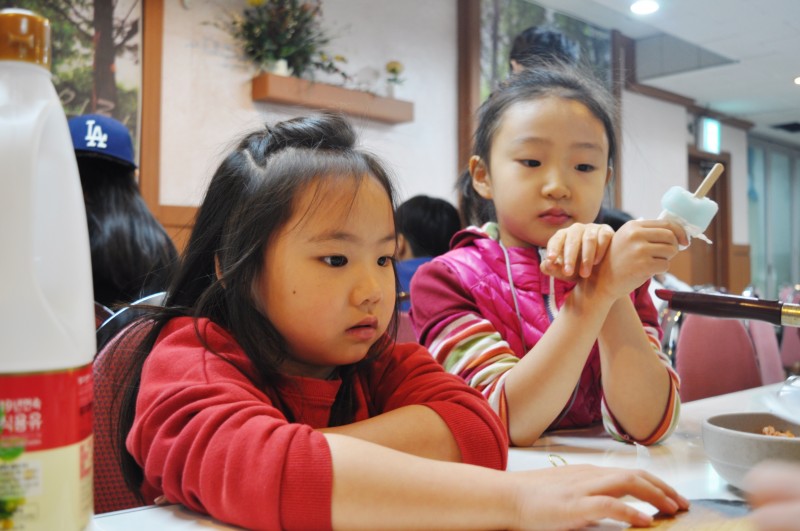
point(655, 157)
point(734, 141)
point(654, 153)
point(206, 100)
point(206, 104)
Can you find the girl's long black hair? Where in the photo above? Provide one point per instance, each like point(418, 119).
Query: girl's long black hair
point(132, 255)
point(250, 198)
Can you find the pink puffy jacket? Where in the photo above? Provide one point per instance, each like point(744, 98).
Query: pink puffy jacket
point(451, 295)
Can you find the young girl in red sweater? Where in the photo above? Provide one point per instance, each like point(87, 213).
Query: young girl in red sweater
point(269, 394)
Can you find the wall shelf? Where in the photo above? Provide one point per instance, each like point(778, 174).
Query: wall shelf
point(290, 90)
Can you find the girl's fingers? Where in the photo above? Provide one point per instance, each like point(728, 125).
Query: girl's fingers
point(592, 493)
point(588, 249)
point(595, 243)
point(648, 488)
point(616, 482)
point(594, 508)
point(604, 238)
point(555, 246)
point(551, 265)
point(666, 229)
point(641, 484)
point(572, 247)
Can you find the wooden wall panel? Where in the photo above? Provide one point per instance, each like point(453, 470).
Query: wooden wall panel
point(469, 72)
point(178, 222)
point(150, 159)
point(739, 268)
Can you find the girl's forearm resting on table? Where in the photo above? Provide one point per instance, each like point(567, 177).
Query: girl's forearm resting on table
point(416, 430)
point(636, 382)
point(378, 488)
point(535, 387)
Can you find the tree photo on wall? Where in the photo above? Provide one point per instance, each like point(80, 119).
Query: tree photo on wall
point(502, 20)
point(96, 50)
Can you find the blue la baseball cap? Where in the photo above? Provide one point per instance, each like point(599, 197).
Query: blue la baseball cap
point(100, 136)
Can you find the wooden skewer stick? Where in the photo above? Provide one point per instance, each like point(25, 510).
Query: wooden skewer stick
point(709, 181)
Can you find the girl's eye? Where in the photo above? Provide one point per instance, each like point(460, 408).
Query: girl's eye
point(335, 261)
point(385, 261)
point(530, 163)
point(584, 167)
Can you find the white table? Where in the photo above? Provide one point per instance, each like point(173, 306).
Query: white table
point(680, 461)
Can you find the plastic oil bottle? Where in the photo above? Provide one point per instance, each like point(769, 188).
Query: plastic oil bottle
point(46, 301)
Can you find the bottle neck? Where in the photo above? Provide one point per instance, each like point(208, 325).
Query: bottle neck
point(22, 83)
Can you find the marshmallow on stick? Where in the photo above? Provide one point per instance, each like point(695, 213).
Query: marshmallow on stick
point(693, 212)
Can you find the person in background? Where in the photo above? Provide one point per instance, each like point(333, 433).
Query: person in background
point(132, 255)
point(269, 393)
point(544, 311)
point(424, 228)
point(774, 493)
point(613, 217)
point(541, 45)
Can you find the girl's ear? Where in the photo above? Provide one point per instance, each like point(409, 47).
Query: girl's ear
point(609, 174)
point(402, 247)
point(218, 269)
point(481, 180)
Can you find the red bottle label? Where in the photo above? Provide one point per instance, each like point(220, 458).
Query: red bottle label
point(46, 450)
point(47, 410)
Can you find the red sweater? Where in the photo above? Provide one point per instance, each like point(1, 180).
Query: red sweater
point(208, 438)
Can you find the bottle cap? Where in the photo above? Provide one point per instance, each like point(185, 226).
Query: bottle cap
point(24, 36)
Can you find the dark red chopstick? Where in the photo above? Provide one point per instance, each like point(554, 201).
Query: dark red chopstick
point(727, 306)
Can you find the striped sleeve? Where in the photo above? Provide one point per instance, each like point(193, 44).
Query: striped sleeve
point(471, 348)
point(672, 411)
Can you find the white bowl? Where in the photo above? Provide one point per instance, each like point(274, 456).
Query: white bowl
point(734, 443)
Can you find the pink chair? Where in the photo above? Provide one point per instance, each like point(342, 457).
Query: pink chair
point(110, 490)
point(790, 349)
point(768, 353)
point(714, 356)
point(790, 336)
point(405, 331)
point(101, 314)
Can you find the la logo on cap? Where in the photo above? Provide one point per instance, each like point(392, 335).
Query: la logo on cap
point(102, 136)
point(95, 136)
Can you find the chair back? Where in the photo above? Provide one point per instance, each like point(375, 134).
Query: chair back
point(790, 336)
point(112, 326)
point(714, 356)
point(669, 321)
point(768, 353)
point(101, 314)
point(790, 348)
point(405, 330)
point(110, 491)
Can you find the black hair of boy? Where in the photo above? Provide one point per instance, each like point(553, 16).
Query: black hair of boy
point(538, 44)
point(613, 217)
point(427, 224)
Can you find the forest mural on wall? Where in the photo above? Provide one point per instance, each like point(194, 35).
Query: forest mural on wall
point(502, 20)
point(96, 48)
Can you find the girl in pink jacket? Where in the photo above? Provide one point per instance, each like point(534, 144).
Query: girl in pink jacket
point(542, 310)
point(270, 395)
